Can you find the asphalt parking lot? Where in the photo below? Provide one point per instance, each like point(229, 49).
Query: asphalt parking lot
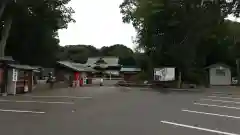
point(117, 110)
point(212, 113)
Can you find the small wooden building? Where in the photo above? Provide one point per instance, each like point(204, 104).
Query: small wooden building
point(20, 78)
point(219, 74)
point(128, 72)
point(69, 71)
point(94, 67)
point(15, 78)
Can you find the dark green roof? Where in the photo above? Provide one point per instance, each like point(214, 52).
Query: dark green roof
point(217, 65)
point(76, 66)
point(6, 58)
point(22, 67)
point(130, 69)
point(109, 60)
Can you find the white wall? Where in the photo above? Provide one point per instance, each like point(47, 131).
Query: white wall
point(164, 74)
point(83, 74)
point(11, 85)
point(217, 79)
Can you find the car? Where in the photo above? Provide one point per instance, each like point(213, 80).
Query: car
point(234, 80)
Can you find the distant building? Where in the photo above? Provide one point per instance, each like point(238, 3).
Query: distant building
point(65, 70)
point(219, 74)
point(95, 66)
point(108, 64)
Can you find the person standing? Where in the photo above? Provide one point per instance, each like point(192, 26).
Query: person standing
point(50, 80)
point(101, 82)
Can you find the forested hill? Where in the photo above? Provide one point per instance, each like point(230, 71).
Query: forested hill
point(80, 53)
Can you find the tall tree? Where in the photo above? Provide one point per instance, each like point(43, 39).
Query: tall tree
point(34, 29)
point(77, 53)
point(125, 54)
point(170, 30)
point(6, 25)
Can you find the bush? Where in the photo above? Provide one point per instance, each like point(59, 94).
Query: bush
point(195, 77)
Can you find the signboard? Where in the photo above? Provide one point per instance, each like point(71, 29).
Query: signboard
point(164, 74)
point(15, 75)
point(112, 72)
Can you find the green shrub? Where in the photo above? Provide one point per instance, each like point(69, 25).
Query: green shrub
point(142, 76)
point(195, 76)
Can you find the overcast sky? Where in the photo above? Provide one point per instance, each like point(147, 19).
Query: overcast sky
point(98, 23)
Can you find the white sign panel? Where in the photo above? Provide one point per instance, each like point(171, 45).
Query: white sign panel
point(15, 75)
point(164, 74)
point(112, 72)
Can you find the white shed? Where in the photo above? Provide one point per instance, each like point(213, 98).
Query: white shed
point(219, 74)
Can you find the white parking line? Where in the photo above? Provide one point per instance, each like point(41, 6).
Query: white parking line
point(213, 114)
point(211, 105)
point(218, 92)
point(198, 128)
point(224, 94)
point(20, 111)
point(223, 101)
point(43, 102)
point(234, 98)
point(58, 97)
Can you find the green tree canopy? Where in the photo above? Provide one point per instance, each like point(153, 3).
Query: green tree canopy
point(33, 37)
point(80, 53)
point(77, 53)
point(171, 29)
point(182, 33)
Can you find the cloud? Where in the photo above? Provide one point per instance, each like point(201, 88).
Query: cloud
point(98, 23)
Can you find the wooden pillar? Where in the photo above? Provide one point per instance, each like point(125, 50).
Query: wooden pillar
point(30, 80)
point(1, 78)
point(25, 81)
point(4, 78)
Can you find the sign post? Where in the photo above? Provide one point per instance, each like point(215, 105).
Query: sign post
point(15, 75)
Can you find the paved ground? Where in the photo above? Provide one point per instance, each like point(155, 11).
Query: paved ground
point(120, 111)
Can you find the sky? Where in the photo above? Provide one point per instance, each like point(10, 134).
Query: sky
point(98, 23)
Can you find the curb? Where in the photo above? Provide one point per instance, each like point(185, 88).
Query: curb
point(167, 89)
point(188, 90)
point(175, 90)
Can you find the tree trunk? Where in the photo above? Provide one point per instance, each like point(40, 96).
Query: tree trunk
point(3, 5)
point(179, 81)
point(238, 72)
point(150, 67)
point(5, 35)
